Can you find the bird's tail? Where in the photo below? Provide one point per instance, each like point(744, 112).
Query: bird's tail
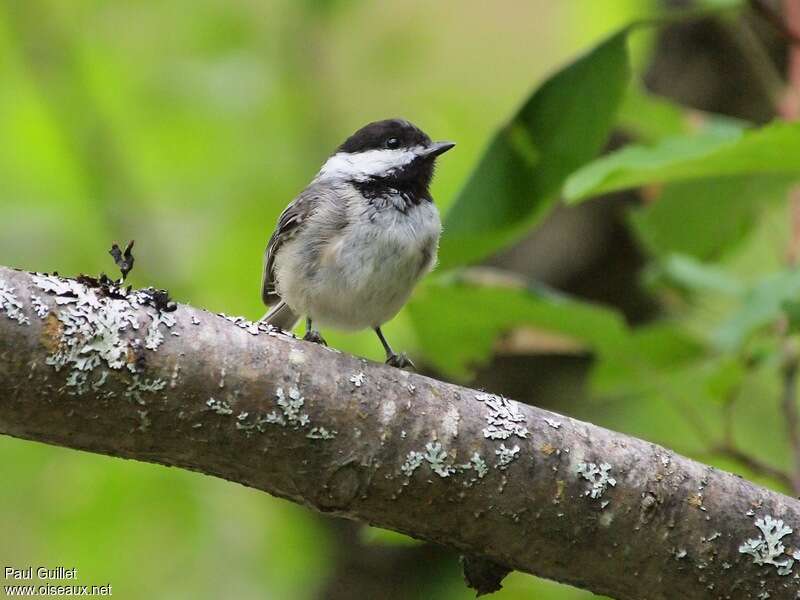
point(281, 316)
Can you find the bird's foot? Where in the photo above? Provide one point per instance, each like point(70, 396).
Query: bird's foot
point(314, 336)
point(401, 361)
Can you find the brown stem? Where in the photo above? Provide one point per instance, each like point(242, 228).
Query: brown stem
point(728, 448)
point(753, 464)
point(793, 250)
point(764, 71)
point(790, 104)
point(789, 408)
point(787, 29)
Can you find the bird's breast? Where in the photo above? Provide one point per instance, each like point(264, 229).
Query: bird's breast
point(403, 241)
point(365, 272)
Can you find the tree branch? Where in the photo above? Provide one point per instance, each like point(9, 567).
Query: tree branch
point(104, 370)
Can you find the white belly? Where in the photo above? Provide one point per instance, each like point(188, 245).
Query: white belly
point(365, 273)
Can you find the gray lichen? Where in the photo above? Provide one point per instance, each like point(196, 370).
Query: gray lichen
point(252, 327)
point(412, 463)
point(144, 421)
point(504, 418)
point(505, 456)
point(274, 418)
point(78, 383)
point(258, 424)
point(598, 476)
point(769, 549)
point(41, 309)
point(714, 536)
point(221, 407)
point(288, 413)
point(10, 305)
point(140, 385)
point(553, 423)
point(441, 464)
point(98, 329)
point(479, 465)
point(436, 458)
point(154, 337)
point(320, 433)
point(290, 406)
point(100, 381)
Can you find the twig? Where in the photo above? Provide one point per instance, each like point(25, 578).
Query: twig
point(727, 417)
point(124, 259)
point(728, 448)
point(763, 68)
point(790, 104)
point(772, 17)
point(694, 419)
point(793, 250)
point(789, 408)
point(752, 463)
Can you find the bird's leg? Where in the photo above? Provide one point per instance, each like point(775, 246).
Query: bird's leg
point(401, 361)
point(312, 335)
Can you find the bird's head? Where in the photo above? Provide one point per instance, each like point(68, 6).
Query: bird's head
point(393, 151)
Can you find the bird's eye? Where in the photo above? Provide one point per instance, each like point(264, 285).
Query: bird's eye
point(392, 143)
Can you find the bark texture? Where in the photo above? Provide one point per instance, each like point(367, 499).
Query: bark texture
point(108, 371)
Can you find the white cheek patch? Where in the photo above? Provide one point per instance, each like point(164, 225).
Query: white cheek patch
point(363, 165)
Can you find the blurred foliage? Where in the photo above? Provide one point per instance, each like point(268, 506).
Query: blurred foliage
point(376, 535)
point(522, 169)
point(188, 126)
point(716, 152)
point(460, 337)
point(706, 218)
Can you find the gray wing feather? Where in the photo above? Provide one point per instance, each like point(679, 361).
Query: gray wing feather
point(289, 222)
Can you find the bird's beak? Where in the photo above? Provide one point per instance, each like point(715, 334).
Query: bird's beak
point(436, 148)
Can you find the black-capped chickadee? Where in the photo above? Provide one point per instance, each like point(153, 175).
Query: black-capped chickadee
point(349, 249)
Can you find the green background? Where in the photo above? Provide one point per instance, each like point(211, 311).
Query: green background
point(188, 125)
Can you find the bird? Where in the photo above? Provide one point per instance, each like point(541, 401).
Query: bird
point(347, 252)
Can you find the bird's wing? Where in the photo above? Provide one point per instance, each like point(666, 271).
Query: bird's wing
point(291, 219)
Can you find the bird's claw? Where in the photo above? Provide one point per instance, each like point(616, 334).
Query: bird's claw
point(401, 361)
point(315, 337)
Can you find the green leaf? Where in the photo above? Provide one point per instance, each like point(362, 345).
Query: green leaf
point(761, 306)
point(791, 308)
point(687, 273)
point(722, 3)
point(705, 218)
point(386, 537)
point(643, 357)
point(650, 117)
point(460, 322)
point(720, 151)
point(727, 373)
point(559, 128)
